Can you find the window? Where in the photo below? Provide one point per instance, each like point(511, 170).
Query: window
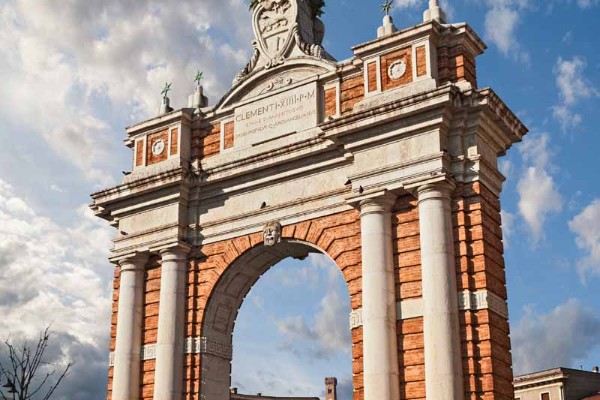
point(545, 396)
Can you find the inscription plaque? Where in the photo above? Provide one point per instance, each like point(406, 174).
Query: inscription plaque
point(284, 113)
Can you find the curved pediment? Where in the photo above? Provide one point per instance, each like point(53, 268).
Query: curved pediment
point(275, 79)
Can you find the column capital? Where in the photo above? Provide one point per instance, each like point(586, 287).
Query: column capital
point(177, 252)
point(377, 202)
point(435, 190)
point(133, 262)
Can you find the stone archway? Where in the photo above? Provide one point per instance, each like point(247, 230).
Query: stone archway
point(387, 162)
point(232, 267)
point(225, 302)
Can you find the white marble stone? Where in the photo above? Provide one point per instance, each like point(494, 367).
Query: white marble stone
point(168, 376)
point(443, 359)
point(126, 381)
point(380, 347)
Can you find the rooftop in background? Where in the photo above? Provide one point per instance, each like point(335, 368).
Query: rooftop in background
point(261, 397)
point(558, 384)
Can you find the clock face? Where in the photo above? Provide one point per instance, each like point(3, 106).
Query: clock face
point(397, 70)
point(158, 147)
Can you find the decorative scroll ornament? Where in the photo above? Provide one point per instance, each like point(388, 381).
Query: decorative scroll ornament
point(272, 233)
point(283, 29)
point(249, 67)
point(277, 83)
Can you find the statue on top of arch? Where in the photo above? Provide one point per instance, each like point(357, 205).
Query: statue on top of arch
point(284, 29)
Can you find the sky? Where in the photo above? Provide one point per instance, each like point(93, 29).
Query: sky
point(74, 75)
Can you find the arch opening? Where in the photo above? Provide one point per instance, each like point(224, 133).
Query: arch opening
point(227, 298)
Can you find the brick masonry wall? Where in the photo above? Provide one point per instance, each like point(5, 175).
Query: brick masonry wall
point(113, 324)
point(479, 265)
point(174, 141)
point(228, 136)
point(353, 91)
point(456, 64)
point(407, 266)
point(372, 76)
point(206, 141)
point(330, 102)
point(139, 153)
point(421, 63)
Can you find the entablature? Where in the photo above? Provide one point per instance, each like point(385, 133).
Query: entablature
point(298, 133)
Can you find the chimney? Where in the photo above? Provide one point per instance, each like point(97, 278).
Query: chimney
point(330, 389)
point(596, 370)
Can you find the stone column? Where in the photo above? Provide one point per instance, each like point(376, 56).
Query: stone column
point(126, 373)
point(443, 359)
point(380, 346)
point(168, 378)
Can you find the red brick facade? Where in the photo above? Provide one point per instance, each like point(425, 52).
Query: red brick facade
point(479, 265)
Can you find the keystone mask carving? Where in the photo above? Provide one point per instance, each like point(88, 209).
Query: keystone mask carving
point(272, 233)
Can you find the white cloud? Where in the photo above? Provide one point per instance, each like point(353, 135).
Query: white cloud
point(331, 323)
point(408, 3)
point(423, 4)
point(586, 226)
point(539, 195)
point(309, 273)
point(302, 333)
point(73, 67)
point(573, 87)
point(508, 222)
point(60, 276)
point(555, 339)
point(265, 371)
point(586, 3)
point(501, 23)
point(327, 335)
point(506, 168)
point(567, 38)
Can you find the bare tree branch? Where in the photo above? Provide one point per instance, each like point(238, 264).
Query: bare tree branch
point(28, 373)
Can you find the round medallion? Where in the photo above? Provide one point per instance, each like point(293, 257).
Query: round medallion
point(397, 70)
point(158, 147)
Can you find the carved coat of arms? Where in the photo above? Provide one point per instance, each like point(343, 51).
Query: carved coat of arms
point(274, 22)
point(281, 25)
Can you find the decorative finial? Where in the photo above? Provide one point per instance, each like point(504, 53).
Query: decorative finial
point(165, 107)
point(434, 12)
point(388, 23)
point(166, 90)
point(199, 77)
point(198, 99)
point(386, 7)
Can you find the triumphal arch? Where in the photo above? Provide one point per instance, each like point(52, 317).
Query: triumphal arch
point(386, 162)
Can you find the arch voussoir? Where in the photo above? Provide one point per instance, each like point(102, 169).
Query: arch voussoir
point(301, 230)
point(340, 246)
point(241, 244)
